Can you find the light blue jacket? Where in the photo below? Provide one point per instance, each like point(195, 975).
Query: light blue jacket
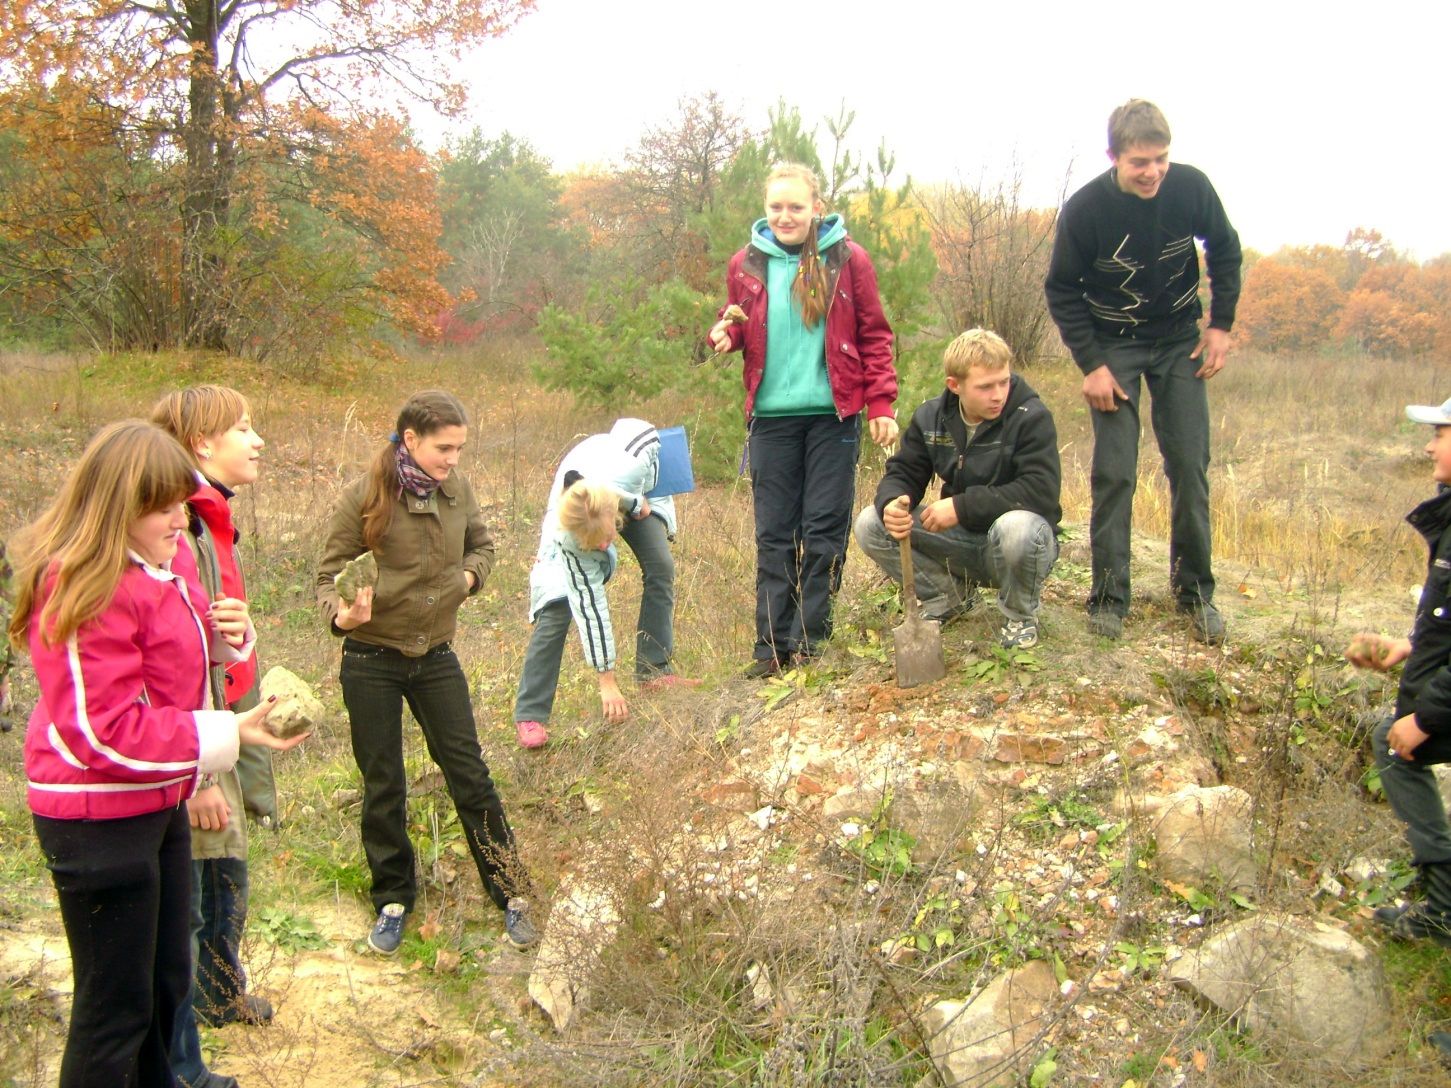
point(628, 460)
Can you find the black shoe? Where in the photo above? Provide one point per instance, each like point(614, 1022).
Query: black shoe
point(1106, 625)
point(1416, 922)
point(1205, 621)
point(761, 668)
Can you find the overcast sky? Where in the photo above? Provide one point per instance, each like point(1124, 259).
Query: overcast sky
point(1310, 119)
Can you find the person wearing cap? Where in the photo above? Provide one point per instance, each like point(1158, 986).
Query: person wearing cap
point(1417, 736)
point(1123, 289)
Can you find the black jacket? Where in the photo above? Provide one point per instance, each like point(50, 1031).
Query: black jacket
point(1012, 463)
point(1426, 682)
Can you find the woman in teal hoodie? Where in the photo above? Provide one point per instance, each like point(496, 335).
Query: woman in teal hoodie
point(829, 358)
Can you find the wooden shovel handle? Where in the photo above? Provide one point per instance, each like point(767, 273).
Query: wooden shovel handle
point(909, 586)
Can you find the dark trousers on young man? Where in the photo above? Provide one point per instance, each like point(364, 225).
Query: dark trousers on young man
point(1180, 413)
point(124, 888)
point(803, 486)
point(1414, 796)
point(376, 682)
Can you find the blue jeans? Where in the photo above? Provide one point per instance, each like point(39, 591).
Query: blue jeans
point(540, 678)
point(1411, 789)
point(123, 887)
point(1180, 412)
point(1015, 555)
point(218, 916)
point(376, 681)
point(803, 487)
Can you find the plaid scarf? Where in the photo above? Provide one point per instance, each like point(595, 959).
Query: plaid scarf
point(411, 478)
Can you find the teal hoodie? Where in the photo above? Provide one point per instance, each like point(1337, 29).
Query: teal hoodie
point(794, 382)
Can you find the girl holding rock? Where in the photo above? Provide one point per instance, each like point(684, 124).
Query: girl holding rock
point(418, 517)
point(120, 633)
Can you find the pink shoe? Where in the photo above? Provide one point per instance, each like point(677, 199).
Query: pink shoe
point(667, 680)
point(531, 734)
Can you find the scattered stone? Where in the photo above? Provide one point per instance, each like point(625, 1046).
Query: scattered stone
point(983, 1041)
point(298, 709)
point(1203, 836)
point(582, 922)
point(1304, 986)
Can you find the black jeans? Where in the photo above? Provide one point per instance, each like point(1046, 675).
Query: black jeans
point(376, 681)
point(803, 485)
point(1180, 411)
point(125, 898)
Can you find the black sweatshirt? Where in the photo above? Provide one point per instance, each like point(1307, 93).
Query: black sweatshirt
point(1126, 266)
point(1011, 464)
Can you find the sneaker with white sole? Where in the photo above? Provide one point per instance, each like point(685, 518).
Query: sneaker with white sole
point(387, 932)
point(1018, 635)
point(518, 929)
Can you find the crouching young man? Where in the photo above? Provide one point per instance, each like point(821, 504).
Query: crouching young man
point(992, 443)
point(1418, 735)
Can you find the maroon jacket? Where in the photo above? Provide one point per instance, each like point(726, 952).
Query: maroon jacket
point(858, 339)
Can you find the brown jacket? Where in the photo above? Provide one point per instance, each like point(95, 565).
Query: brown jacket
point(421, 564)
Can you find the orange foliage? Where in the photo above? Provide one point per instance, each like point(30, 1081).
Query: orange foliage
point(1286, 307)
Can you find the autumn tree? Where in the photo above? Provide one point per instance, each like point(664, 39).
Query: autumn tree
point(1288, 307)
point(992, 253)
point(208, 86)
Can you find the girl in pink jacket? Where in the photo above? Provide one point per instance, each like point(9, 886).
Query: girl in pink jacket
point(120, 634)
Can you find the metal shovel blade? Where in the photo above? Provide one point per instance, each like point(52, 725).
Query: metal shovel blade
point(918, 640)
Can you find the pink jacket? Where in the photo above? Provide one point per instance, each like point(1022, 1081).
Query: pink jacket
point(859, 358)
point(119, 729)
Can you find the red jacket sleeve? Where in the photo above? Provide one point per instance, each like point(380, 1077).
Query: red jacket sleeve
point(873, 336)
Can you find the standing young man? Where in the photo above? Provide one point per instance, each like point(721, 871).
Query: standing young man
point(1123, 288)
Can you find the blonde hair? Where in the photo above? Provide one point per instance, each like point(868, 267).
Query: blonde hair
point(423, 413)
point(198, 412)
point(587, 511)
point(976, 348)
point(1137, 121)
point(129, 470)
point(810, 288)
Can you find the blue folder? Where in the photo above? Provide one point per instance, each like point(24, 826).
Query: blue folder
point(676, 476)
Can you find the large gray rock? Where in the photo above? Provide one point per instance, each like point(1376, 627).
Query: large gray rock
point(582, 923)
point(984, 1041)
point(1203, 836)
point(1301, 985)
point(298, 709)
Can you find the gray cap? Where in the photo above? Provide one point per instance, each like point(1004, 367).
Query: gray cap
point(1423, 413)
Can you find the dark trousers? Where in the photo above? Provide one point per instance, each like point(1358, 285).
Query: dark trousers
point(218, 917)
point(1180, 412)
point(1413, 793)
point(648, 539)
point(124, 888)
point(376, 681)
point(803, 485)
